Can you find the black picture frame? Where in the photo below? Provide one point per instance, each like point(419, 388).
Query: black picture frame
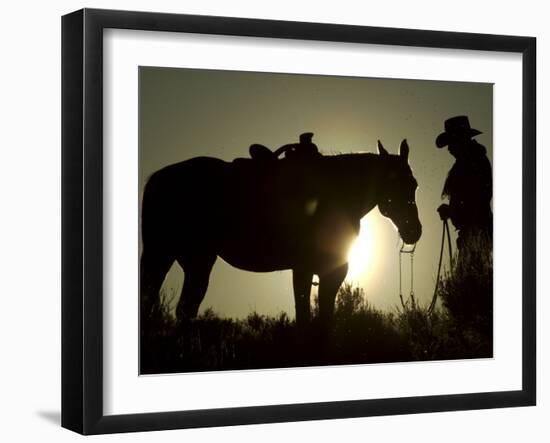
point(82, 221)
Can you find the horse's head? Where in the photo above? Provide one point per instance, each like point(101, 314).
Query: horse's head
point(397, 193)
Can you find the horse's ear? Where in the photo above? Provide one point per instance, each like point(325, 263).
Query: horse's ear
point(381, 150)
point(404, 150)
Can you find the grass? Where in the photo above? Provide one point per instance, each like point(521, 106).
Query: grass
point(461, 328)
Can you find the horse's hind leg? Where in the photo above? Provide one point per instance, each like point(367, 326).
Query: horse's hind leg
point(301, 281)
point(154, 266)
point(196, 275)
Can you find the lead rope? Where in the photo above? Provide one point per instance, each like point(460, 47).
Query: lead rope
point(437, 281)
point(411, 295)
point(451, 260)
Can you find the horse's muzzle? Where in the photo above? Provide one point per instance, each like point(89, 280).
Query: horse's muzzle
point(411, 235)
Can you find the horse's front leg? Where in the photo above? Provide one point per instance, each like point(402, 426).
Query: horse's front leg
point(301, 280)
point(329, 283)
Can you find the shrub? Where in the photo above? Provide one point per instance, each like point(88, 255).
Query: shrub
point(360, 334)
point(467, 293)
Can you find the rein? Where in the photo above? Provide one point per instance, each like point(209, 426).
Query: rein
point(402, 251)
point(446, 233)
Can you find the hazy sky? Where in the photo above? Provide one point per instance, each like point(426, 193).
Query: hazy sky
point(186, 113)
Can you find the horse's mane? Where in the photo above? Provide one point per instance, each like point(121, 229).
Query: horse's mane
point(353, 155)
point(350, 161)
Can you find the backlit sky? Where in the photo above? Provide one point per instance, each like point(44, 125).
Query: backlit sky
point(186, 113)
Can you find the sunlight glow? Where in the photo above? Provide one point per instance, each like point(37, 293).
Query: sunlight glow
point(361, 253)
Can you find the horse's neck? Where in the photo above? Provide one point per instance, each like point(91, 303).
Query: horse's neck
point(355, 180)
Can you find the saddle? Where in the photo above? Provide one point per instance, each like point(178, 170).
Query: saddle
point(304, 149)
point(265, 169)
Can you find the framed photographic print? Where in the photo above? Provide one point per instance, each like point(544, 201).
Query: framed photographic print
point(269, 221)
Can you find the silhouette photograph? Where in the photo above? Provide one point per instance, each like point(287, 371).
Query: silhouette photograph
point(293, 220)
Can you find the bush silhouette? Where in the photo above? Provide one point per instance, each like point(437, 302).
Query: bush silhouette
point(360, 333)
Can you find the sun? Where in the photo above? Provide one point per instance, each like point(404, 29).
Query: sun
point(360, 254)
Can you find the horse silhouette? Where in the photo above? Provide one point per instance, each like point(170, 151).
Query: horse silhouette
point(259, 216)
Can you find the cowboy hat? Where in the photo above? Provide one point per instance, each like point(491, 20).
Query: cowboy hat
point(456, 128)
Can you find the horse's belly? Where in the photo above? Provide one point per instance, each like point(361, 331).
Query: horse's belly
point(257, 258)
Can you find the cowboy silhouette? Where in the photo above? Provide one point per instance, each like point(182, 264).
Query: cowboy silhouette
point(469, 187)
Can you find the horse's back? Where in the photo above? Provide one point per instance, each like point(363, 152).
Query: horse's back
point(246, 211)
point(187, 170)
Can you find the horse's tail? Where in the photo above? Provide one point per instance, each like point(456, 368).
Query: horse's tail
point(151, 207)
